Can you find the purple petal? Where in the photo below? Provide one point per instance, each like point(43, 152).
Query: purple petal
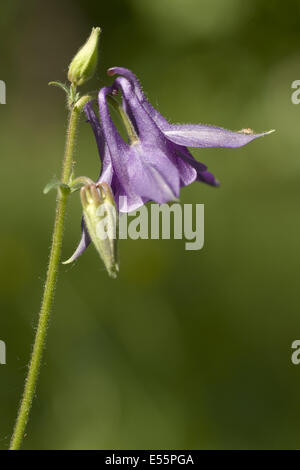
point(146, 126)
point(106, 172)
point(188, 174)
point(201, 170)
point(128, 202)
point(144, 168)
point(156, 116)
point(208, 178)
point(82, 246)
point(96, 126)
point(200, 135)
point(158, 180)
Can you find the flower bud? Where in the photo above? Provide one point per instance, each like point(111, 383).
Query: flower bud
point(100, 216)
point(83, 65)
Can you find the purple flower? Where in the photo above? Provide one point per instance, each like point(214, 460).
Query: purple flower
point(156, 162)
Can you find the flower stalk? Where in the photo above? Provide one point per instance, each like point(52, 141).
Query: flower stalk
point(49, 289)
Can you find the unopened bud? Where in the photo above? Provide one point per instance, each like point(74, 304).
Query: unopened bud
point(100, 216)
point(84, 64)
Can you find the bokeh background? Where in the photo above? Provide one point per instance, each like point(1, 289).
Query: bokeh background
point(185, 349)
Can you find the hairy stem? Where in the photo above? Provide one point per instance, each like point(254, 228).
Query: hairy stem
point(48, 295)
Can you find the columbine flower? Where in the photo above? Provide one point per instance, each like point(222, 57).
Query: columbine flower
point(156, 162)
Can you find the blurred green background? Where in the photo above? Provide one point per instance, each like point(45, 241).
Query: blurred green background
point(185, 349)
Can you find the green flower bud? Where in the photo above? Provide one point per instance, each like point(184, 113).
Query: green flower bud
point(84, 64)
point(100, 216)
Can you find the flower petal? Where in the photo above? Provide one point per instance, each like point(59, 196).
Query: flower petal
point(201, 135)
point(128, 202)
point(208, 178)
point(188, 174)
point(106, 172)
point(156, 116)
point(145, 124)
point(157, 181)
point(201, 170)
point(82, 246)
point(146, 168)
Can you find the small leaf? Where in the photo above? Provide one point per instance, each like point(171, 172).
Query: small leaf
point(54, 184)
point(62, 86)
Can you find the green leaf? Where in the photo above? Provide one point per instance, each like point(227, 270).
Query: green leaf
point(63, 86)
point(55, 184)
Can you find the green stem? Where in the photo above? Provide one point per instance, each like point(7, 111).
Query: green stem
point(40, 338)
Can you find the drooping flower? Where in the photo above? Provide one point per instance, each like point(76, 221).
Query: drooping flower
point(156, 162)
